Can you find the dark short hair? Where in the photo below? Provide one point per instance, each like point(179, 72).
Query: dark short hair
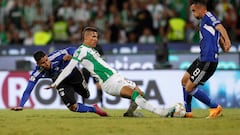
point(38, 55)
point(88, 29)
point(202, 2)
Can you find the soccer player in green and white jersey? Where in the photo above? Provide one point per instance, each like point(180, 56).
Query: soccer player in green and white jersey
point(110, 80)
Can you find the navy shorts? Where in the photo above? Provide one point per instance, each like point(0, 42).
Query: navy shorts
point(200, 72)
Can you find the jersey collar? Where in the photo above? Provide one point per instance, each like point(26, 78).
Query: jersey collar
point(86, 46)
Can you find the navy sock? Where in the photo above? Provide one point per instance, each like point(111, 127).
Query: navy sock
point(83, 108)
point(187, 100)
point(201, 96)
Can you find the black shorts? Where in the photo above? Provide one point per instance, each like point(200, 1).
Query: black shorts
point(87, 76)
point(75, 83)
point(67, 95)
point(200, 72)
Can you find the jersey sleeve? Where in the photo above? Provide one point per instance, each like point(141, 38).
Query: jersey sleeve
point(71, 50)
point(59, 54)
point(212, 20)
point(35, 76)
point(26, 93)
point(79, 54)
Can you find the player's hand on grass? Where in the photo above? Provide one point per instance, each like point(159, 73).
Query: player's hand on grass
point(17, 108)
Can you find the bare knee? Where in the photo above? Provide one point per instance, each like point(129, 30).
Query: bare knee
point(190, 86)
point(127, 92)
point(188, 89)
point(73, 107)
point(185, 79)
point(139, 91)
point(183, 82)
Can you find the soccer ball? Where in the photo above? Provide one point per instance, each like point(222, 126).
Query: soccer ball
point(180, 110)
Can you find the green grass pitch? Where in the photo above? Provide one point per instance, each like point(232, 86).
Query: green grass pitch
point(64, 122)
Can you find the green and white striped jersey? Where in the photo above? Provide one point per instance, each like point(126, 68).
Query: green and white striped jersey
point(93, 62)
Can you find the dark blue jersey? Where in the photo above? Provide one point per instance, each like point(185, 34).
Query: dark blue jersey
point(57, 65)
point(209, 38)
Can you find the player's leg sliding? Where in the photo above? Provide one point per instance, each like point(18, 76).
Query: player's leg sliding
point(99, 111)
point(215, 109)
point(131, 111)
point(132, 107)
point(84, 109)
point(140, 101)
point(187, 103)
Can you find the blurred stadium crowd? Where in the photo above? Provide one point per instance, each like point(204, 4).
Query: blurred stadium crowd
point(42, 22)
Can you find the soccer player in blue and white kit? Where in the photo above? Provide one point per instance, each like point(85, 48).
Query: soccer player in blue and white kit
point(212, 34)
point(50, 66)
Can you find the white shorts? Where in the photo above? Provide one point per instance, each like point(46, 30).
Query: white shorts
point(114, 84)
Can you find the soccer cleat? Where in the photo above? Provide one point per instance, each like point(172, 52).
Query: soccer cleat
point(188, 115)
point(215, 112)
point(133, 114)
point(171, 112)
point(99, 111)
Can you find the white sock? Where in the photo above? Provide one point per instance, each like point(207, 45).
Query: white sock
point(143, 103)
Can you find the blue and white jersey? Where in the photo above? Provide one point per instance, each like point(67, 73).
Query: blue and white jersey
point(209, 38)
point(57, 65)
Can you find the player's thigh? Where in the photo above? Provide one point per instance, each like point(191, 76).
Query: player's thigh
point(67, 95)
point(200, 72)
point(209, 71)
point(126, 92)
point(189, 86)
point(82, 89)
point(185, 78)
point(116, 83)
point(195, 71)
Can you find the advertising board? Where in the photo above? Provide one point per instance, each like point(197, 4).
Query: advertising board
point(162, 88)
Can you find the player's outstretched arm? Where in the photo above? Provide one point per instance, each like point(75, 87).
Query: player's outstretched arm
point(66, 71)
point(25, 96)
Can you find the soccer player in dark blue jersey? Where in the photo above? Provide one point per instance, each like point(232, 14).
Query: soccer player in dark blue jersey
point(212, 34)
point(50, 66)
